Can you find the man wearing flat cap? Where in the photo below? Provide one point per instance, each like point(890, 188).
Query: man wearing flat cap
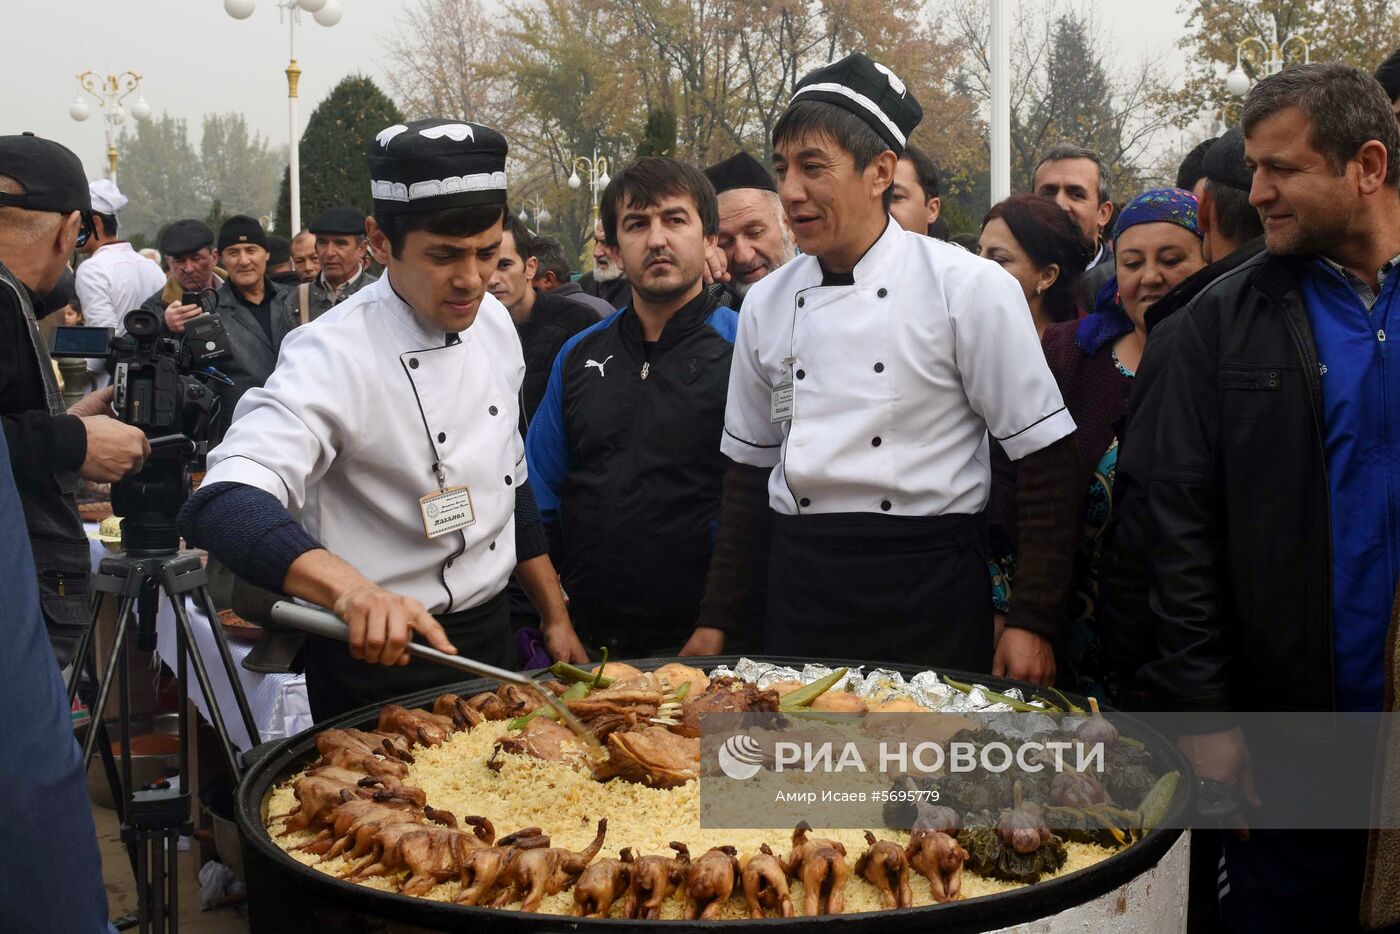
point(868, 374)
point(381, 472)
point(250, 306)
point(340, 246)
point(115, 279)
point(188, 246)
point(753, 234)
point(43, 196)
point(280, 268)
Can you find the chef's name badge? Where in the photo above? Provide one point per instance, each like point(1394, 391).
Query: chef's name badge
point(447, 511)
point(780, 401)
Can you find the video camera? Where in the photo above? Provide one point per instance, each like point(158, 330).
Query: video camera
point(156, 387)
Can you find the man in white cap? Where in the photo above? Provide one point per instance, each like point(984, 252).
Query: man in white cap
point(115, 278)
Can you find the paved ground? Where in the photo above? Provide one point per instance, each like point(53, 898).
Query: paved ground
point(121, 886)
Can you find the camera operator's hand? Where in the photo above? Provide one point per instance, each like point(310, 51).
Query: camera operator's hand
point(94, 403)
point(114, 449)
point(382, 622)
point(177, 314)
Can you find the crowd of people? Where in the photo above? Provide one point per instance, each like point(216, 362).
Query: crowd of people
point(1139, 451)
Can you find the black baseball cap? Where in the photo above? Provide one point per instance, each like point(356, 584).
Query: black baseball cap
point(52, 176)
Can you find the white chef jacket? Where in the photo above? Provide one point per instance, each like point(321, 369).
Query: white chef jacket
point(115, 279)
point(337, 437)
point(897, 381)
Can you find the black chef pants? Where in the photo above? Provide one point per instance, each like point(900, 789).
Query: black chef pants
point(337, 683)
point(906, 589)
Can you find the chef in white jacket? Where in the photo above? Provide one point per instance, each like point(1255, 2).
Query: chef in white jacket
point(381, 472)
point(868, 374)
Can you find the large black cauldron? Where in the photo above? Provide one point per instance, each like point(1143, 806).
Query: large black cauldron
point(286, 896)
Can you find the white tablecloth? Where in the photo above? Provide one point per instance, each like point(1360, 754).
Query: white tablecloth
point(278, 701)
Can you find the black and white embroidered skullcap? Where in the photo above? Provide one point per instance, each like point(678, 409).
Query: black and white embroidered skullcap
point(433, 165)
point(870, 91)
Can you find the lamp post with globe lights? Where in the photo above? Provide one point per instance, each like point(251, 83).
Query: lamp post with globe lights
point(326, 13)
point(597, 169)
point(535, 204)
point(110, 91)
point(1261, 54)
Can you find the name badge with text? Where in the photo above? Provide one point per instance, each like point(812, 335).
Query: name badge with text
point(780, 402)
point(447, 511)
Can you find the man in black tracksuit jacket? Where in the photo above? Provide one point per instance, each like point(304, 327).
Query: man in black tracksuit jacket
point(624, 450)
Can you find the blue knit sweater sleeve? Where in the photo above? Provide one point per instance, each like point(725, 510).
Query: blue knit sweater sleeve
point(530, 540)
point(248, 530)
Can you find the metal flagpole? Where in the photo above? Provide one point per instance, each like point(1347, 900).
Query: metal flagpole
point(1000, 55)
point(293, 76)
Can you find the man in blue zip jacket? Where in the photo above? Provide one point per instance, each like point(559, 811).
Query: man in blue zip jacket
point(624, 449)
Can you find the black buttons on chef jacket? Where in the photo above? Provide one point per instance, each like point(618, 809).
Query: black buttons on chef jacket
point(442, 436)
point(886, 505)
point(875, 441)
point(449, 562)
point(883, 292)
point(509, 481)
point(801, 301)
point(493, 410)
point(801, 374)
point(413, 363)
point(493, 546)
point(804, 501)
point(879, 368)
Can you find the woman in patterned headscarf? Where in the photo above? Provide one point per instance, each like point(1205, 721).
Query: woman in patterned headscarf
point(1157, 243)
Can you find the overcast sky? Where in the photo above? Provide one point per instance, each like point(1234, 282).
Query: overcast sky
point(195, 59)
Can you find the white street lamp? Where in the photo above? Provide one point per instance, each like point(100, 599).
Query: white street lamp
point(326, 13)
point(1237, 83)
point(109, 91)
point(597, 169)
point(329, 13)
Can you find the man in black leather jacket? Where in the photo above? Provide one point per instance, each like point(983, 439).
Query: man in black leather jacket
point(1265, 587)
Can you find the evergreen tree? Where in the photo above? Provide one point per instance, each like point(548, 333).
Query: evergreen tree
point(333, 169)
point(659, 134)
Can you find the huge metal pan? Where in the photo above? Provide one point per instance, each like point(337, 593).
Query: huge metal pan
point(287, 896)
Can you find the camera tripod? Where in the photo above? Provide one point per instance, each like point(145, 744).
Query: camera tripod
point(153, 819)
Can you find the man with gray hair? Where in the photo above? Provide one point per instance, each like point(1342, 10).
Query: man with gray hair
point(1272, 505)
point(753, 233)
point(1077, 179)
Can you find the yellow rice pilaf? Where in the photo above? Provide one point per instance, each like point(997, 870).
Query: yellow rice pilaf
point(567, 804)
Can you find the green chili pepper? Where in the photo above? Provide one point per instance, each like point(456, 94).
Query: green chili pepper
point(1157, 800)
point(575, 692)
point(803, 696)
point(598, 675)
point(1018, 706)
point(680, 694)
point(566, 672)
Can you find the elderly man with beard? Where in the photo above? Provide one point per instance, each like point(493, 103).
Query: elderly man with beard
point(608, 280)
point(622, 449)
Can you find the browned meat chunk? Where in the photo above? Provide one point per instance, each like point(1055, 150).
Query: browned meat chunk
point(617, 700)
point(724, 695)
point(654, 756)
point(886, 866)
point(463, 715)
point(418, 726)
point(938, 857)
point(480, 867)
point(541, 738)
point(709, 881)
point(532, 875)
point(766, 885)
point(821, 865)
point(603, 883)
point(653, 881)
